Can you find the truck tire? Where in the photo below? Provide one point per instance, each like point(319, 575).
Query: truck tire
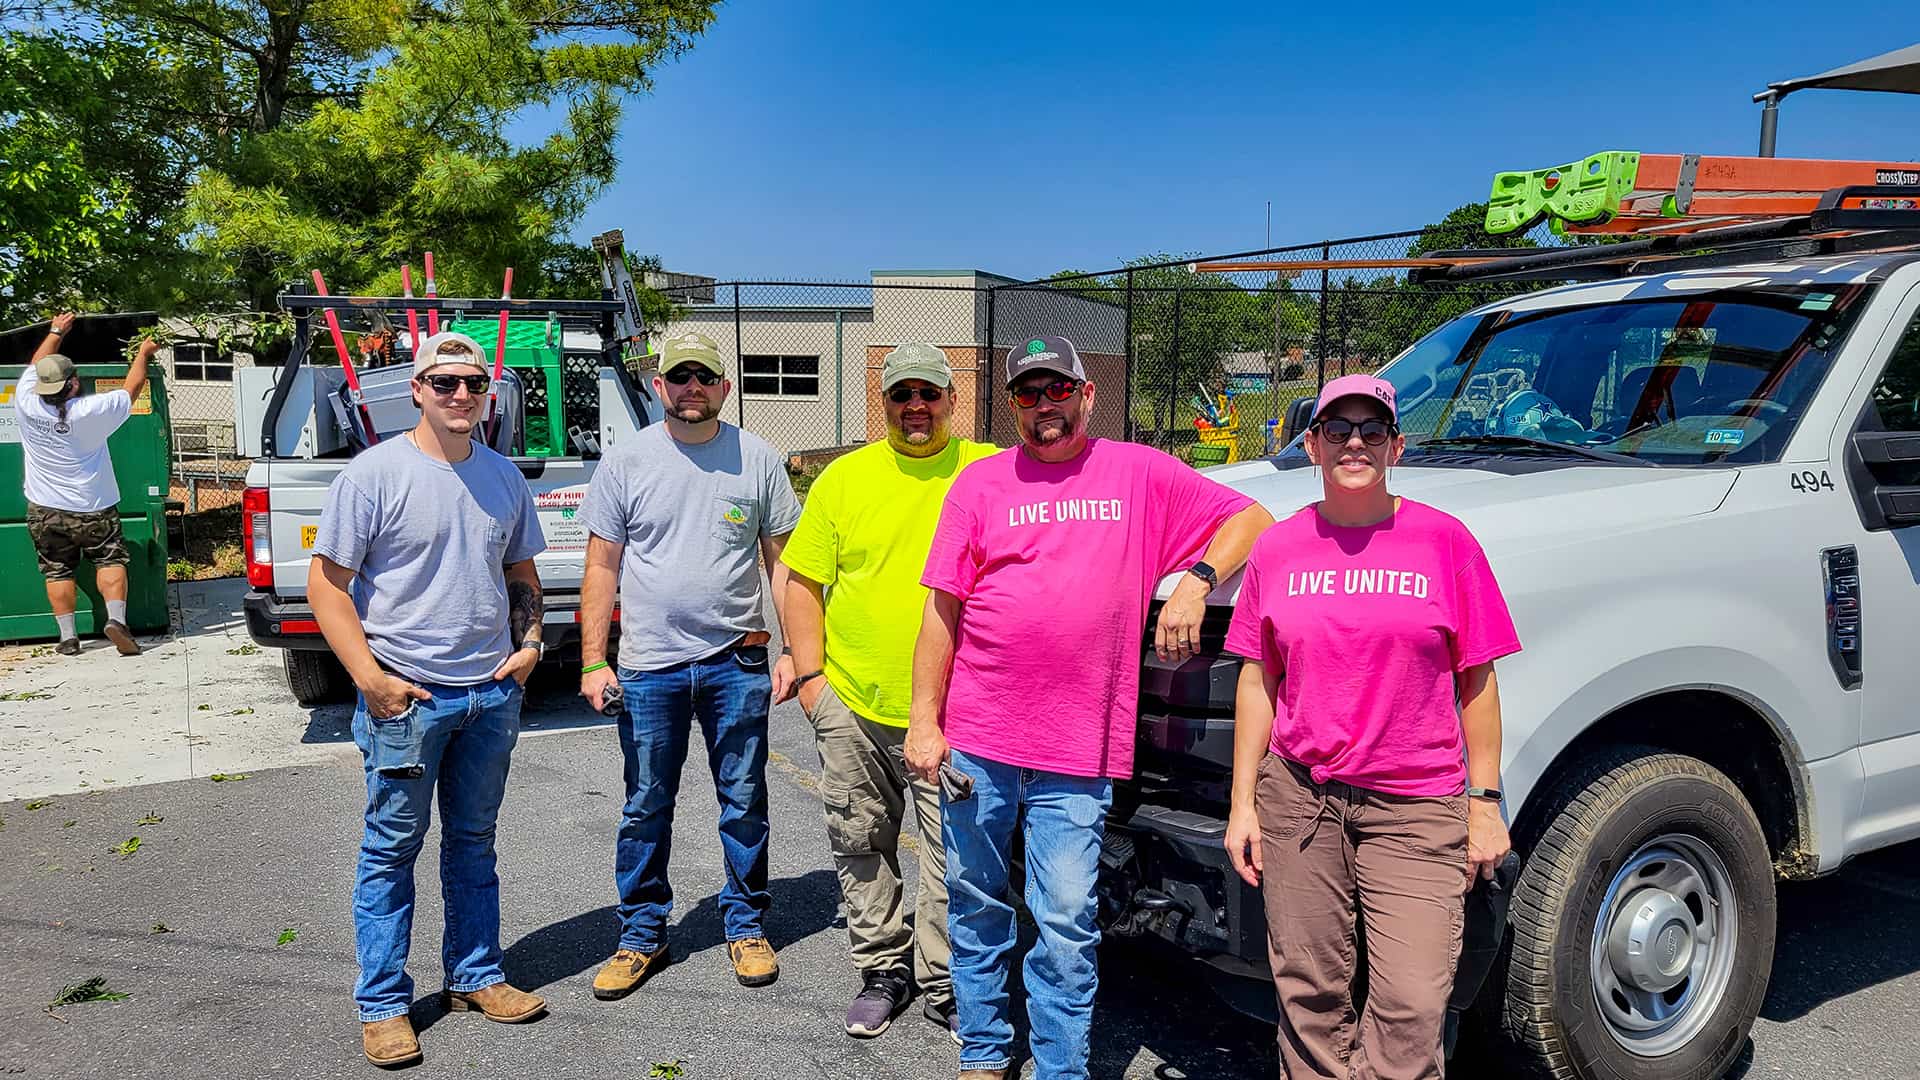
point(1643, 924)
point(315, 677)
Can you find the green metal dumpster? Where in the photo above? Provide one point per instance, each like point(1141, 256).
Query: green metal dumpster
point(141, 465)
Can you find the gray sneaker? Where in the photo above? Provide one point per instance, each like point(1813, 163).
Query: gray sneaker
point(68, 647)
point(873, 1008)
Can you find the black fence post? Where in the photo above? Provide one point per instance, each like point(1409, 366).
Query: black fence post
point(1320, 345)
point(1126, 396)
point(1173, 369)
point(984, 378)
point(740, 363)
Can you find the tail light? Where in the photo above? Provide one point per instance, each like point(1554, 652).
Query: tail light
point(256, 535)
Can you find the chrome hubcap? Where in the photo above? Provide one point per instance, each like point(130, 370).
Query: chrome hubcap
point(1662, 950)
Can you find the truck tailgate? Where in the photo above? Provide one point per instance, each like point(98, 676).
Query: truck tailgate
point(298, 491)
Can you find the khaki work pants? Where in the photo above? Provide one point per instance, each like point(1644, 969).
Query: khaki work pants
point(866, 789)
point(1402, 861)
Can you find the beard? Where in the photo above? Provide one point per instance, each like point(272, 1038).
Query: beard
point(1054, 429)
point(695, 412)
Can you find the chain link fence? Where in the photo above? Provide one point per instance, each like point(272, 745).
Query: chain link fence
point(1198, 357)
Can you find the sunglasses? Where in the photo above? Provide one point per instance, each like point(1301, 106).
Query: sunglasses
point(1058, 390)
point(1372, 432)
point(447, 384)
point(685, 375)
point(900, 395)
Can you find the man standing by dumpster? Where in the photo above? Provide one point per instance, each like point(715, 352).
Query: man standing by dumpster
point(864, 535)
point(1026, 678)
point(681, 518)
point(73, 498)
point(424, 584)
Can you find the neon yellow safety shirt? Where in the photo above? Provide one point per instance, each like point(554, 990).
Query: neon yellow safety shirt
point(864, 534)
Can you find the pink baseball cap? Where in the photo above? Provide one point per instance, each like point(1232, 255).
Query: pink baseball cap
point(1366, 386)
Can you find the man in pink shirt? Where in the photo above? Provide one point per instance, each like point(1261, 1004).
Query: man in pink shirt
point(1026, 678)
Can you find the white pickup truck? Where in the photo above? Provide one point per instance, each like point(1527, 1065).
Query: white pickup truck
point(287, 485)
point(1700, 492)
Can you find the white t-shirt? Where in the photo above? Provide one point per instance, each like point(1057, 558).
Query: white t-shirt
point(71, 469)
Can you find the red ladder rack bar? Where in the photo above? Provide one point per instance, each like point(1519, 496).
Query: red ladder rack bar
point(346, 362)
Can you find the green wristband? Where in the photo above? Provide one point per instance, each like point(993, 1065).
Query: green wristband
point(591, 668)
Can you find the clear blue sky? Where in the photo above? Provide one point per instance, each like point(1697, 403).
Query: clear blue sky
point(821, 139)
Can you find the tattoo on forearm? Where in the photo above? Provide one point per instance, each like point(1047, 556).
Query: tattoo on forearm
point(525, 605)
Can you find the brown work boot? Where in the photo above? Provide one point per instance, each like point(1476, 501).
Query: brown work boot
point(754, 962)
point(983, 1074)
point(499, 1003)
point(390, 1043)
point(623, 974)
point(122, 638)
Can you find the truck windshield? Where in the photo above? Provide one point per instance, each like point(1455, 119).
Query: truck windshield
point(1688, 378)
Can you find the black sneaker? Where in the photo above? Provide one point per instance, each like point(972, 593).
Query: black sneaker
point(942, 1012)
point(874, 1007)
point(69, 647)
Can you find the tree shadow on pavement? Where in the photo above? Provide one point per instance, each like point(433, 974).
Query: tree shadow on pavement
point(802, 907)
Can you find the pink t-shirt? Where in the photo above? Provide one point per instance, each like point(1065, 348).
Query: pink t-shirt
point(1366, 628)
point(1055, 565)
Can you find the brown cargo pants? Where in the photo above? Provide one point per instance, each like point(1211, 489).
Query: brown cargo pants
point(1402, 861)
point(866, 789)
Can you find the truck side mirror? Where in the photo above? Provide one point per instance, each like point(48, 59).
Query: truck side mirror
point(1880, 460)
point(1299, 415)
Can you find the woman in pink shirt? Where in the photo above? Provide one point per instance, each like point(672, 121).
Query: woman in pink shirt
point(1367, 748)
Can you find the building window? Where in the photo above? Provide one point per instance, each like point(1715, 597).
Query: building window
point(199, 362)
point(780, 376)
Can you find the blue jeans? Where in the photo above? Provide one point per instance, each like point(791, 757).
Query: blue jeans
point(459, 742)
point(730, 699)
point(1064, 819)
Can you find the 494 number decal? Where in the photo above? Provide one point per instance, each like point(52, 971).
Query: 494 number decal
point(1808, 482)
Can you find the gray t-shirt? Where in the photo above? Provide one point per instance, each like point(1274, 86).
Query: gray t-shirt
point(691, 518)
point(429, 543)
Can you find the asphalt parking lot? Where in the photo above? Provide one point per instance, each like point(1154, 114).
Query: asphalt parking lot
point(250, 879)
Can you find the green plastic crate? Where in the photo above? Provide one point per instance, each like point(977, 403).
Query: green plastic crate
point(533, 345)
point(142, 465)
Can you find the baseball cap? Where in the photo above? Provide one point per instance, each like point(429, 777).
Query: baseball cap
point(1366, 386)
point(53, 371)
point(429, 356)
point(1044, 354)
point(915, 361)
point(691, 348)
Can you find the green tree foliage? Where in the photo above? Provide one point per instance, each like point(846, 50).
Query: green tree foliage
point(263, 138)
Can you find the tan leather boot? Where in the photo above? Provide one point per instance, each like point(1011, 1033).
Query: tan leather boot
point(499, 1003)
point(624, 973)
point(754, 962)
point(390, 1043)
point(984, 1074)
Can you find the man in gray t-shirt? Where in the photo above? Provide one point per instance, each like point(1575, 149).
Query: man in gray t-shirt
point(682, 518)
point(424, 584)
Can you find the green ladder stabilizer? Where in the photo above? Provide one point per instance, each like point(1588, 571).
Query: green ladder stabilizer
point(1584, 192)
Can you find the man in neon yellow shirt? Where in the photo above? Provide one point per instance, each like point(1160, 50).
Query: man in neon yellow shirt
point(853, 612)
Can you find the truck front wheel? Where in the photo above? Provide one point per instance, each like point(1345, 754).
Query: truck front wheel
point(1643, 924)
point(315, 677)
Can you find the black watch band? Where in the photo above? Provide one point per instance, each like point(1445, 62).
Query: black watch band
point(807, 678)
point(1205, 573)
point(1492, 793)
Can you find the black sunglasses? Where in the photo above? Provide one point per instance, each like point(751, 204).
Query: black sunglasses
point(1372, 432)
point(447, 384)
point(900, 395)
point(1058, 390)
point(685, 375)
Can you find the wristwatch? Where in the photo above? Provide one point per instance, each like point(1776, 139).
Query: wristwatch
point(1493, 793)
point(56, 331)
point(1205, 573)
point(539, 647)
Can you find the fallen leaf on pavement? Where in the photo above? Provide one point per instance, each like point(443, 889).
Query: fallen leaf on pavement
point(126, 848)
point(161, 928)
point(286, 936)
